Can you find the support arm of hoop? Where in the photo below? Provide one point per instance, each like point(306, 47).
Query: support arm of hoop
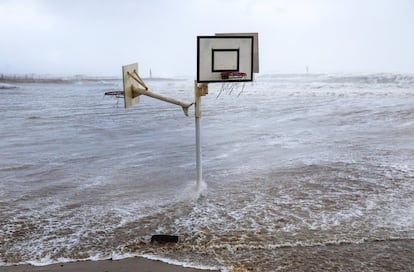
point(137, 78)
point(139, 91)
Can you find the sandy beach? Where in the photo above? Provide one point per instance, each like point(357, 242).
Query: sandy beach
point(125, 265)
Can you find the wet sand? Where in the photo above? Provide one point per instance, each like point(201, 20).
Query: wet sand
point(131, 264)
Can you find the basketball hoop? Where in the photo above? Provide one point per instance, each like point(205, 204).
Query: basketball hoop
point(233, 75)
point(227, 58)
point(117, 94)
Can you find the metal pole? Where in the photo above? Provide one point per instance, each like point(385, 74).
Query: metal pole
point(139, 91)
point(197, 93)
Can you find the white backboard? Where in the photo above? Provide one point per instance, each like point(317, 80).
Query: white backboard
point(255, 36)
point(129, 97)
point(225, 58)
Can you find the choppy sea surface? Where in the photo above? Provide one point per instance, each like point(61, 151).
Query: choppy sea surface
point(301, 173)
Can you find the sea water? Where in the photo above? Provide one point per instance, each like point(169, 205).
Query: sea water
point(300, 172)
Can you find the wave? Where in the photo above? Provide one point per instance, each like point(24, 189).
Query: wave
point(373, 78)
point(5, 80)
point(4, 86)
point(380, 78)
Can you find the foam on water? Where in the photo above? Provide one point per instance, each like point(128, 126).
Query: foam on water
point(183, 264)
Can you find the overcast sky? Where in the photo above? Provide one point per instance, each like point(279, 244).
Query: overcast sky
point(98, 37)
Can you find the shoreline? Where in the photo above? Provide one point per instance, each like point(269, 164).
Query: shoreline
point(125, 265)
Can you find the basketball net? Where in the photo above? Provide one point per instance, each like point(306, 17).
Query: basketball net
point(231, 87)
